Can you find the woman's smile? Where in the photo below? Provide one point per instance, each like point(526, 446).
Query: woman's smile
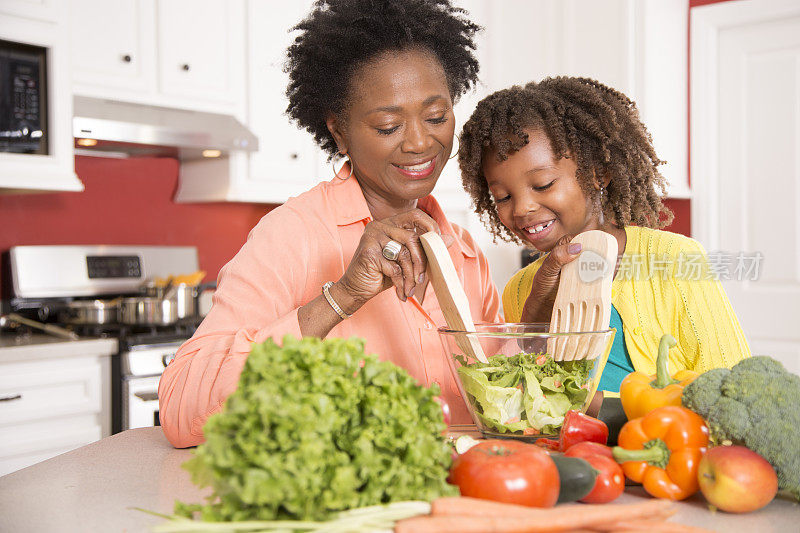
point(417, 171)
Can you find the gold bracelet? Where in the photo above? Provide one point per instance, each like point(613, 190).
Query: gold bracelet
point(331, 301)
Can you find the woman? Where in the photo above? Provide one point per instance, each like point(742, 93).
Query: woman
point(375, 82)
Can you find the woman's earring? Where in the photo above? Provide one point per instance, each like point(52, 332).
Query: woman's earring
point(602, 217)
point(455, 152)
point(336, 173)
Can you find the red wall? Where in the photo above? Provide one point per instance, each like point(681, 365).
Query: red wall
point(128, 201)
point(683, 216)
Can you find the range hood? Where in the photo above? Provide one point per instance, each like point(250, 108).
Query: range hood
point(121, 129)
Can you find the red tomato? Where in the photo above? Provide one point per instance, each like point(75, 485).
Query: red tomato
point(507, 471)
point(610, 480)
point(587, 449)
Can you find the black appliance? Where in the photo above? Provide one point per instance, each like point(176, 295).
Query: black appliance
point(23, 98)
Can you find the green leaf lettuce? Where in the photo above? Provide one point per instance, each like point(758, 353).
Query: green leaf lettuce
point(315, 427)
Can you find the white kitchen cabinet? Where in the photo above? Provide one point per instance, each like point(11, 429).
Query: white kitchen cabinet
point(46, 10)
point(40, 23)
point(201, 52)
point(54, 397)
point(113, 46)
point(288, 161)
point(173, 53)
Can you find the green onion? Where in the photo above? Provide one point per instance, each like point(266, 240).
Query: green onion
point(364, 519)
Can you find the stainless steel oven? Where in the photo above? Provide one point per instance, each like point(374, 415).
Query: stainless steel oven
point(41, 282)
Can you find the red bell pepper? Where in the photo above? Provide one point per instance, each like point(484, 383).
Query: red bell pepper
point(579, 427)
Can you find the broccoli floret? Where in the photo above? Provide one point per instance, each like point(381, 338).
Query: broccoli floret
point(776, 441)
point(762, 364)
point(754, 404)
point(776, 396)
point(746, 385)
point(701, 394)
point(728, 419)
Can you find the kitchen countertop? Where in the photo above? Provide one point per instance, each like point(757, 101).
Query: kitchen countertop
point(94, 488)
point(15, 347)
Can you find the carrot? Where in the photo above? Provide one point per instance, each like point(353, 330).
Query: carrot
point(652, 526)
point(464, 506)
point(462, 524)
point(472, 515)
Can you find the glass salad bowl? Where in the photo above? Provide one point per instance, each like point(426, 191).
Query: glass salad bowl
point(523, 393)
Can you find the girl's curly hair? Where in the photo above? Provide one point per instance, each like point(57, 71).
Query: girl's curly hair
point(597, 126)
point(339, 36)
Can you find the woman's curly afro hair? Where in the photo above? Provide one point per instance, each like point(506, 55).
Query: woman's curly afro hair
point(339, 36)
point(597, 126)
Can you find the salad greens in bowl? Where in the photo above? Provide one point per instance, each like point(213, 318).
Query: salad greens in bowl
point(522, 392)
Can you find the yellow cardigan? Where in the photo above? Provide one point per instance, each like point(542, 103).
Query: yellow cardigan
point(663, 285)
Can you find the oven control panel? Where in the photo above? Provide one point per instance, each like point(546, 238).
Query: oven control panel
point(114, 266)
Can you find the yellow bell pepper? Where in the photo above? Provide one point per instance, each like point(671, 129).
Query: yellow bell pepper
point(641, 393)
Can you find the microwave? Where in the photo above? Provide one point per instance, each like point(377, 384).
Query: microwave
point(23, 98)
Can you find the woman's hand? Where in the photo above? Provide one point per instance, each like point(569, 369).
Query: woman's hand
point(539, 305)
point(369, 272)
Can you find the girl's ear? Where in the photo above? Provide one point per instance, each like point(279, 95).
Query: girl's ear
point(601, 178)
point(337, 130)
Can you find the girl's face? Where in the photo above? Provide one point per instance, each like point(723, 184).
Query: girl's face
point(398, 127)
point(538, 197)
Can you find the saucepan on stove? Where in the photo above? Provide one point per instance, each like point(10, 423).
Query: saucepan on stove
point(183, 296)
point(91, 312)
point(149, 311)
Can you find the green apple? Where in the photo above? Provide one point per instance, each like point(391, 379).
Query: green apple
point(736, 479)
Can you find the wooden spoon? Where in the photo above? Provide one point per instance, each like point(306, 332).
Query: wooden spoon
point(583, 300)
point(450, 293)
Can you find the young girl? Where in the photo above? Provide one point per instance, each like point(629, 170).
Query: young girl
point(566, 155)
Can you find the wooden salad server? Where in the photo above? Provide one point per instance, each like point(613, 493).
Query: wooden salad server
point(583, 300)
point(451, 295)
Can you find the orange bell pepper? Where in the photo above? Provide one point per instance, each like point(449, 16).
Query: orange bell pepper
point(662, 451)
point(640, 393)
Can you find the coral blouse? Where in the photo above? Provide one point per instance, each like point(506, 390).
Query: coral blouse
point(288, 256)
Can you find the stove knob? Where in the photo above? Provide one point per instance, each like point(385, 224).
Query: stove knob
point(43, 313)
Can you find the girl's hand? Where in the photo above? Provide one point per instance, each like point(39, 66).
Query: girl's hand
point(539, 305)
point(369, 272)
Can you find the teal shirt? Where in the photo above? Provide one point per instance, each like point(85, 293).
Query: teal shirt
point(619, 362)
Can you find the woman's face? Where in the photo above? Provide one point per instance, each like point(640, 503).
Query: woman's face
point(538, 197)
point(398, 127)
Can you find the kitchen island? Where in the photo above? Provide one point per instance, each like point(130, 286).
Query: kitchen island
point(96, 487)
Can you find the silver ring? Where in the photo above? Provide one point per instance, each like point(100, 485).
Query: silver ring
point(392, 250)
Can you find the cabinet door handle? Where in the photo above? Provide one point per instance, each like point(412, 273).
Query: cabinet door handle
point(11, 398)
point(147, 396)
point(185, 67)
point(127, 58)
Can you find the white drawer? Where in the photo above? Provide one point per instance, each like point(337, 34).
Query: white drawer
point(44, 389)
point(27, 444)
